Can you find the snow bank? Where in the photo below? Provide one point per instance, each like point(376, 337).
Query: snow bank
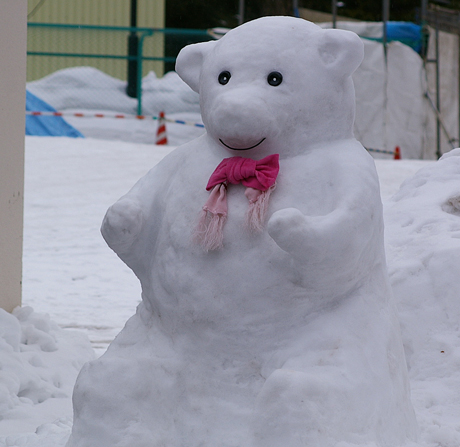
point(39, 363)
point(91, 89)
point(423, 248)
point(88, 90)
point(83, 87)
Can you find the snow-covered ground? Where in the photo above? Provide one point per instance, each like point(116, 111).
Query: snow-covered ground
point(79, 289)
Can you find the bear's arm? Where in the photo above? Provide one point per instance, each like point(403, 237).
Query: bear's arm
point(341, 243)
point(125, 221)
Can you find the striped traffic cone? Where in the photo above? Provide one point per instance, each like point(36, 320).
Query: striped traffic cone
point(162, 137)
point(397, 155)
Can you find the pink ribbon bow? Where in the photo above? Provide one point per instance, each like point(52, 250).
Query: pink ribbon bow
point(259, 177)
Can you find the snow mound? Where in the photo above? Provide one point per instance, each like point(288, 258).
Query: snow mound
point(88, 88)
point(39, 363)
point(169, 94)
point(53, 434)
point(85, 88)
point(423, 248)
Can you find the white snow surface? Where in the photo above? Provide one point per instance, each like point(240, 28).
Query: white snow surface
point(39, 363)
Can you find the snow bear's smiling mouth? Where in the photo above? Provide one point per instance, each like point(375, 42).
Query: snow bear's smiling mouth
point(242, 148)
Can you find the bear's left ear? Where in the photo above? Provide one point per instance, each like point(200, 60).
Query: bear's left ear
point(189, 63)
point(341, 50)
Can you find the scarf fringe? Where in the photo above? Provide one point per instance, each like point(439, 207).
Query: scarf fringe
point(257, 211)
point(209, 232)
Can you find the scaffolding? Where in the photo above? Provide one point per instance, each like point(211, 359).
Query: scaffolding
point(447, 20)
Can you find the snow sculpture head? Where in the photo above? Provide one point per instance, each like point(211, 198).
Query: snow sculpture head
point(255, 84)
point(286, 337)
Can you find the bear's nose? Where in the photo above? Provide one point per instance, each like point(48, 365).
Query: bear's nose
point(240, 120)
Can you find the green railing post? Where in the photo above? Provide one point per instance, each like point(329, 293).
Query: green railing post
point(133, 50)
point(140, 52)
point(133, 64)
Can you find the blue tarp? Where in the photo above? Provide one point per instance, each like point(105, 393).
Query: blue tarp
point(405, 32)
point(50, 126)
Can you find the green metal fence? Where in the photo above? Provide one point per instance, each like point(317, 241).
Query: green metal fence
point(52, 47)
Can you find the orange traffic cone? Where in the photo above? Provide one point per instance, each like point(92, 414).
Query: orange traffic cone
point(397, 155)
point(162, 138)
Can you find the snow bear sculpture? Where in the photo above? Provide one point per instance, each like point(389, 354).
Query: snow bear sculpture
point(281, 337)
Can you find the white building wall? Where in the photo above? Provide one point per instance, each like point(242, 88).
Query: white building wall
point(13, 38)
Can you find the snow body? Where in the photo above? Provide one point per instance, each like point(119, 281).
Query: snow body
point(283, 338)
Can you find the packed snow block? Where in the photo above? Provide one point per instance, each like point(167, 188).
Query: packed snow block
point(268, 320)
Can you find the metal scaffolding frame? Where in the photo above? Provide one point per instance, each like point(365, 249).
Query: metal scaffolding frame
point(447, 20)
point(440, 19)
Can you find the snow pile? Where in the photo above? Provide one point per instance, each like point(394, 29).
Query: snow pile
point(90, 89)
point(83, 88)
point(423, 245)
point(39, 363)
point(169, 94)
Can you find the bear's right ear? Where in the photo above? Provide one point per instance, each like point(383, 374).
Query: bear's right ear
point(189, 63)
point(340, 50)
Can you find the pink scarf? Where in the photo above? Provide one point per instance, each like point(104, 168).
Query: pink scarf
point(259, 177)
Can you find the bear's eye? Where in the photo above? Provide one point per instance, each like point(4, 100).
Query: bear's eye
point(224, 77)
point(275, 78)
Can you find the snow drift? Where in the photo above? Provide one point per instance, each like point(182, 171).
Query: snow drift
point(38, 366)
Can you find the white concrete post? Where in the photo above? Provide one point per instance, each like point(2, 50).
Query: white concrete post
point(13, 48)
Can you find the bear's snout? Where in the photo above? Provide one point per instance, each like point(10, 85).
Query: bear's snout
point(240, 121)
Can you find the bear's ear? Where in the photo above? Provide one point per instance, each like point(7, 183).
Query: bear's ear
point(341, 50)
point(189, 63)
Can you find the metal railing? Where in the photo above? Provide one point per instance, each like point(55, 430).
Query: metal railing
point(56, 46)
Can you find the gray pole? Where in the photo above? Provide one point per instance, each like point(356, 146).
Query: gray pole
point(423, 11)
point(385, 18)
point(334, 13)
point(295, 8)
point(438, 98)
point(241, 12)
